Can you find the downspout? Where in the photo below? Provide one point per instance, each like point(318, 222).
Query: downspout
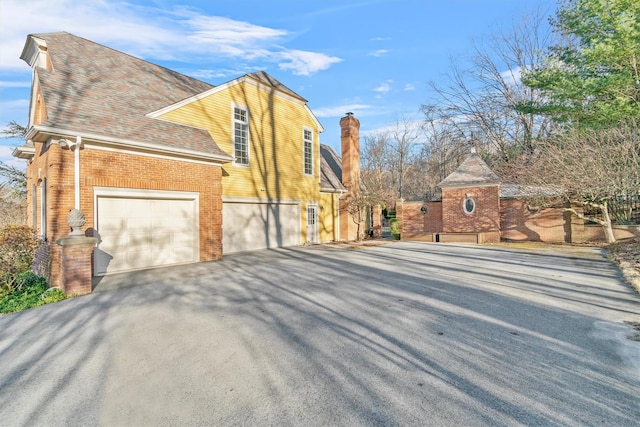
point(75, 146)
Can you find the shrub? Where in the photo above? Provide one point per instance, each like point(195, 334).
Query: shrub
point(30, 291)
point(394, 227)
point(18, 245)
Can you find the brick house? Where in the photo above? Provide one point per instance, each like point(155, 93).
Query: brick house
point(166, 168)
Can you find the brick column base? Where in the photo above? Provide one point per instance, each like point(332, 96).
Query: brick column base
point(76, 264)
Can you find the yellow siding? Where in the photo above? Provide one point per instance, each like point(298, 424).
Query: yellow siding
point(328, 217)
point(276, 124)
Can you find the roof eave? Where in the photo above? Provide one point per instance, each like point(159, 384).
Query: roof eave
point(37, 133)
point(25, 151)
point(470, 184)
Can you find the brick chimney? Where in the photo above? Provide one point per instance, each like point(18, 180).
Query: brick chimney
point(350, 138)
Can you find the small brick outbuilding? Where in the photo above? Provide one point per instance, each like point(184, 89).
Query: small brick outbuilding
point(477, 207)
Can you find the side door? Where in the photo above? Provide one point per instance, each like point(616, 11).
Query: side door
point(312, 223)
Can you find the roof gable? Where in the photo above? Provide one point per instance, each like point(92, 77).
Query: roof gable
point(472, 172)
point(96, 90)
point(260, 79)
point(330, 170)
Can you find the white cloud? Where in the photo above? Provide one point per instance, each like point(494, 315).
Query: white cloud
point(378, 52)
point(378, 39)
point(383, 88)
point(181, 33)
point(409, 124)
point(341, 110)
point(409, 87)
point(8, 159)
point(15, 104)
point(5, 151)
point(9, 84)
point(304, 63)
point(217, 73)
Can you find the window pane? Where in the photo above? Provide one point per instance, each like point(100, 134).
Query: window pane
point(308, 151)
point(240, 136)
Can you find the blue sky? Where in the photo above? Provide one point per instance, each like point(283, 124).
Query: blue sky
point(374, 58)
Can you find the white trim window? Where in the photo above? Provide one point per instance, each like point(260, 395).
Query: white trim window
point(34, 206)
point(43, 208)
point(241, 135)
point(307, 151)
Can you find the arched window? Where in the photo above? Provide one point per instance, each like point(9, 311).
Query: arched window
point(469, 205)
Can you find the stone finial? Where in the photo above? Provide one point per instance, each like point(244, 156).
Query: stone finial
point(76, 220)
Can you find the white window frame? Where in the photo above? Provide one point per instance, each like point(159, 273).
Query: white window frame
point(307, 142)
point(34, 207)
point(245, 123)
point(43, 208)
point(464, 205)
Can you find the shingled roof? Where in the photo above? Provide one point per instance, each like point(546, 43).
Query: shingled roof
point(330, 170)
point(472, 171)
point(100, 91)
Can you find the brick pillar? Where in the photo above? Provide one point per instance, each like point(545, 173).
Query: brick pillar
point(377, 221)
point(76, 263)
point(400, 215)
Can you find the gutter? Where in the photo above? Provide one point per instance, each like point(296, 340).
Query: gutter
point(216, 158)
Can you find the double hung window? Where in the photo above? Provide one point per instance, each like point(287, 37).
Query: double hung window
point(241, 136)
point(308, 151)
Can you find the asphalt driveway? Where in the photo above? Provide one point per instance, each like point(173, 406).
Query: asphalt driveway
point(398, 334)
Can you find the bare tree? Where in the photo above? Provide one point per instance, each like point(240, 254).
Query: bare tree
point(13, 179)
point(404, 135)
point(445, 147)
point(14, 130)
point(390, 168)
point(13, 183)
point(585, 169)
point(358, 202)
point(375, 167)
point(480, 101)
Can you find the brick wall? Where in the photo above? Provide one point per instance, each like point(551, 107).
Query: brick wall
point(485, 218)
point(121, 170)
point(594, 232)
point(414, 221)
point(54, 166)
point(518, 223)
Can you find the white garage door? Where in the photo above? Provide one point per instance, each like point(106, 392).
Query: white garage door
point(145, 229)
point(249, 226)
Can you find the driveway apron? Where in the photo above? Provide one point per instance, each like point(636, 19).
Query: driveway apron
point(398, 334)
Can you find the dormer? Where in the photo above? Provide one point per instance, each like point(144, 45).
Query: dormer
point(35, 53)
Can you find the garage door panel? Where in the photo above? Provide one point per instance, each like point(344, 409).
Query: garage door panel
point(139, 232)
point(135, 223)
point(250, 226)
point(135, 260)
point(164, 223)
point(180, 240)
point(136, 208)
point(181, 251)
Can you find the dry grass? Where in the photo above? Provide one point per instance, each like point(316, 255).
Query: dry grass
point(626, 253)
